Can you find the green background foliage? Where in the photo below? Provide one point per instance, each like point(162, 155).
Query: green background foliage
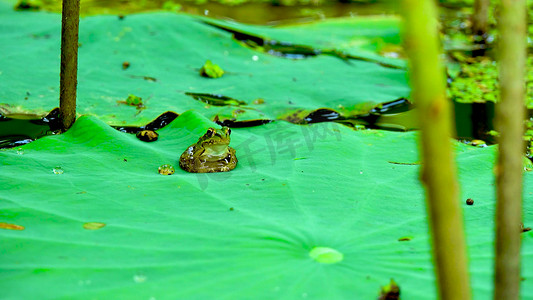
point(478, 82)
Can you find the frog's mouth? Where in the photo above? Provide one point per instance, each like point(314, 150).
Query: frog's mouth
point(216, 150)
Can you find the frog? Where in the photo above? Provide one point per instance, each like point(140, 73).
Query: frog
point(210, 154)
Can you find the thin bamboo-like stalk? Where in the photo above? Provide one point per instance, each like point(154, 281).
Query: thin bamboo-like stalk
point(69, 62)
point(510, 114)
point(438, 168)
point(480, 26)
point(480, 16)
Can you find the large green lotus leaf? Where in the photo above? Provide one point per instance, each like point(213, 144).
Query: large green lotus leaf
point(362, 37)
point(245, 234)
point(170, 49)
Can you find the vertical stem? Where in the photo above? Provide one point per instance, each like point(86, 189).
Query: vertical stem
point(480, 25)
point(69, 62)
point(510, 114)
point(480, 17)
point(438, 169)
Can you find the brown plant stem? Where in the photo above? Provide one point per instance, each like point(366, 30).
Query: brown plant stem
point(480, 25)
point(480, 17)
point(69, 62)
point(438, 172)
point(510, 114)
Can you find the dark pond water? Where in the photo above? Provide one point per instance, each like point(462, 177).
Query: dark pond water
point(473, 122)
point(253, 13)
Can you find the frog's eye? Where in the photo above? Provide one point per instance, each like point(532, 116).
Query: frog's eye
point(210, 132)
point(228, 131)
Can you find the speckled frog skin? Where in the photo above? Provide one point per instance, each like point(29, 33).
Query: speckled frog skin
point(210, 154)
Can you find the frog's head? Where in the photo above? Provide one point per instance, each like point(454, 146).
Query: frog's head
point(215, 141)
